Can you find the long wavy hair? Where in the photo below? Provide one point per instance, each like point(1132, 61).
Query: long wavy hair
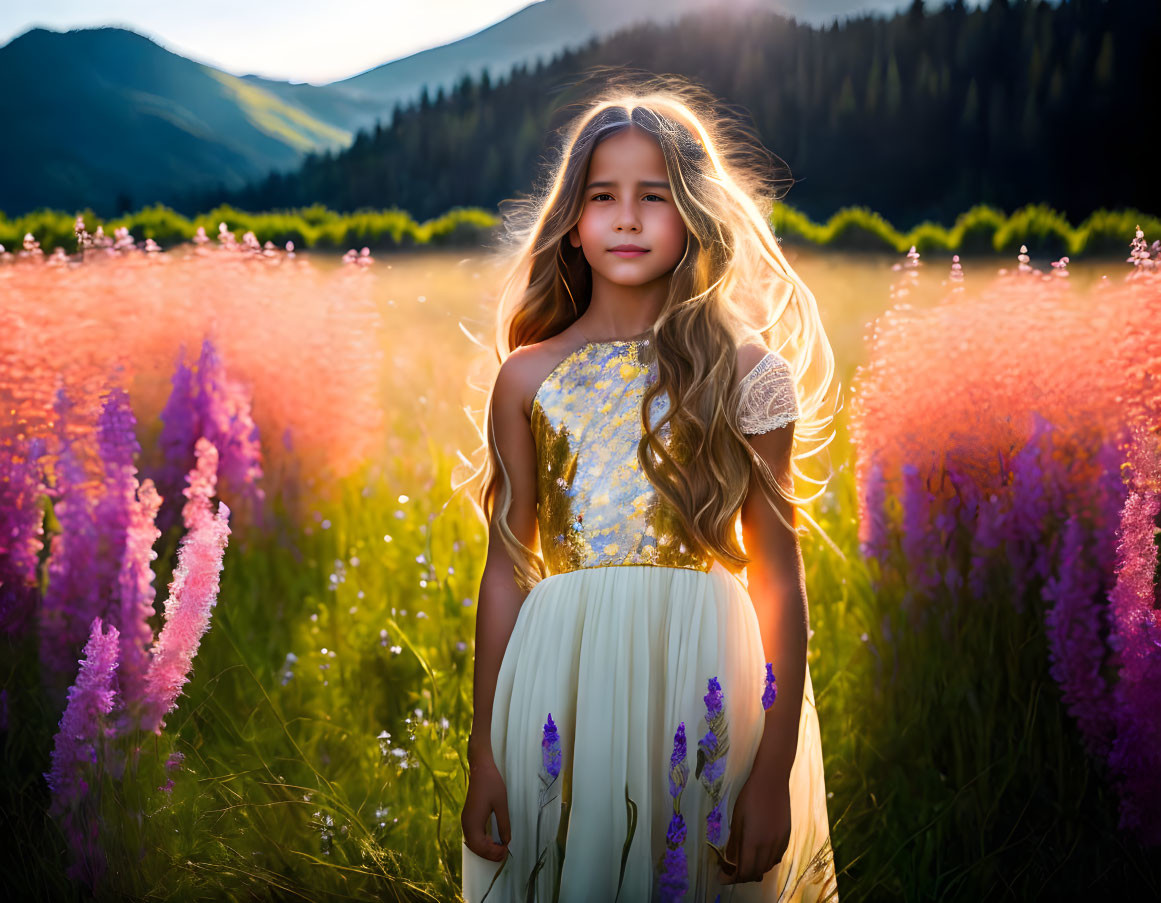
point(732, 284)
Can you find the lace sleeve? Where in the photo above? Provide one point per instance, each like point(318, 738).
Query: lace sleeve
point(768, 400)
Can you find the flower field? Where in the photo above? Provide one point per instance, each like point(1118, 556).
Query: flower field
point(237, 594)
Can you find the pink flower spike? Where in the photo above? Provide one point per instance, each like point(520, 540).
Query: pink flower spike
point(193, 594)
point(203, 481)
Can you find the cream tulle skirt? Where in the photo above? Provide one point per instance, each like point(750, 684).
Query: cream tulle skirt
point(620, 656)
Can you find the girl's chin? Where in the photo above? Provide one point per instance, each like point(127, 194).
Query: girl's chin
point(630, 278)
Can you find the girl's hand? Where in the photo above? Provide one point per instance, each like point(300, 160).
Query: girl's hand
point(486, 794)
point(759, 830)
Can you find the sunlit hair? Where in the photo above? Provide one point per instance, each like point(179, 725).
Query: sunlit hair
point(731, 286)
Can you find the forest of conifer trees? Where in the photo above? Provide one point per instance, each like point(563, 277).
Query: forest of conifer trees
point(919, 116)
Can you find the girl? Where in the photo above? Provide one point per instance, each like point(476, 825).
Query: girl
point(639, 413)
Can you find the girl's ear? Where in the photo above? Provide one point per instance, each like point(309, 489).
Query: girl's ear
point(574, 237)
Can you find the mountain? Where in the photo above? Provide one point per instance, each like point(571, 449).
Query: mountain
point(542, 30)
point(108, 113)
point(110, 120)
point(919, 116)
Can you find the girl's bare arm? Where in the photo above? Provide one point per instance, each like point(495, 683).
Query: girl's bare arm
point(777, 586)
point(500, 597)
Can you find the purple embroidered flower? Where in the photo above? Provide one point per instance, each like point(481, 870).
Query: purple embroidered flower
point(678, 770)
point(550, 748)
point(673, 877)
point(713, 700)
point(771, 690)
point(711, 758)
point(714, 769)
point(675, 833)
point(713, 824)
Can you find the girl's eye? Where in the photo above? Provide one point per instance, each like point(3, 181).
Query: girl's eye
point(605, 194)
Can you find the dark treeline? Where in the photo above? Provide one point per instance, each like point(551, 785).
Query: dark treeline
point(918, 117)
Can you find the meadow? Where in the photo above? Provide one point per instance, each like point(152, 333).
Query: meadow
point(985, 637)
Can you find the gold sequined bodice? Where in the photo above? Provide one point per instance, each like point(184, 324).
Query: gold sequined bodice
point(594, 505)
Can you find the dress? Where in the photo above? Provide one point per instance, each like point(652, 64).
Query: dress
point(618, 644)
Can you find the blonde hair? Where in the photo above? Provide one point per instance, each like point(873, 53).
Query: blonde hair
point(732, 284)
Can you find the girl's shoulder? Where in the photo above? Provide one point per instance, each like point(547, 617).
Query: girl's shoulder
point(754, 358)
point(767, 399)
point(525, 369)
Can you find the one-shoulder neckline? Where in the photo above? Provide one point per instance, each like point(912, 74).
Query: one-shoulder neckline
point(568, 357)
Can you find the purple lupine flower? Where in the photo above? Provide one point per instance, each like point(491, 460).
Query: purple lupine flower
point(988, 536)
point(1036, 507)
point(917, 538)
point(212, 405)
point(223, 406)
point(73, 597)
point(127, 533)
point(550, 748)
point(873, 524)
point(1074, 626)
point(82, 725)
point(770, 692)
point(21, 526)
point(180, 430)
point(1109, 495)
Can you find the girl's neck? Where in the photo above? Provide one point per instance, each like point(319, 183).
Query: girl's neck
point(622, 311)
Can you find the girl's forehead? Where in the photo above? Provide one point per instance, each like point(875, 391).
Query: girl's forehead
point(629, 151)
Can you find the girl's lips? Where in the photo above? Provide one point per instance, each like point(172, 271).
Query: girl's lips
point(628, 253)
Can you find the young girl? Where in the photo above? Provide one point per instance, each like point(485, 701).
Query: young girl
point(639, 413)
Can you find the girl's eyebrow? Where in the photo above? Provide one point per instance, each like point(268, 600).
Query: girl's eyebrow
point(645, 183)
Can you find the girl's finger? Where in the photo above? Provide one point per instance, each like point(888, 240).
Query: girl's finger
point(502, 821)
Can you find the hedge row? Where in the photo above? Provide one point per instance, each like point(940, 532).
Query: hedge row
point(981, 230)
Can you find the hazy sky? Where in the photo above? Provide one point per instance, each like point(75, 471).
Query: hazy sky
point(294, 40)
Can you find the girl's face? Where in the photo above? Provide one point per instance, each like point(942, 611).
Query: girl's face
point(630, 230)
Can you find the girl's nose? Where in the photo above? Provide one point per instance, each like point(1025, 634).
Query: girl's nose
point(627, 219)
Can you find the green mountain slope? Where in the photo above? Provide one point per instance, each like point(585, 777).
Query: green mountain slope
point(106, 113)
